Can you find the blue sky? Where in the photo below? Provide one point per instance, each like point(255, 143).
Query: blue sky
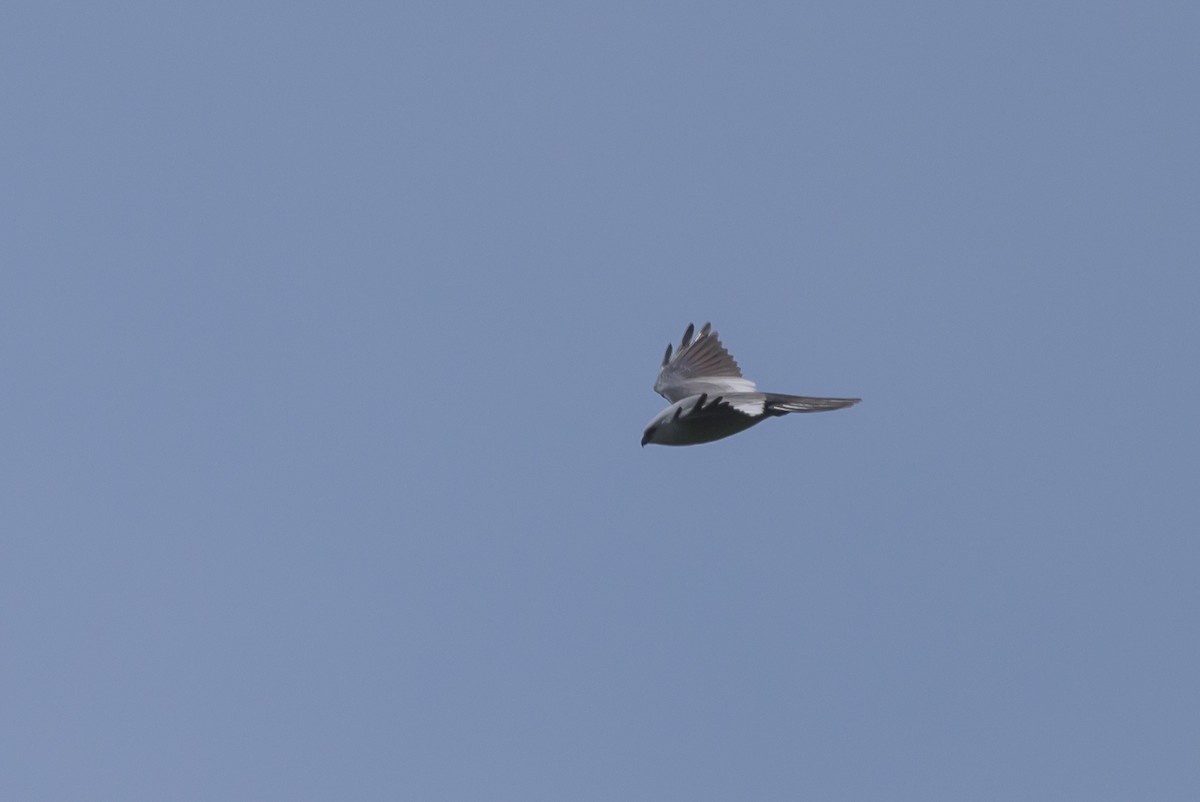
point(328, 338)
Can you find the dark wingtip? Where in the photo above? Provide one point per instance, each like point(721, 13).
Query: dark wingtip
point(707, 328)
point(667, 355)
point(687, 336)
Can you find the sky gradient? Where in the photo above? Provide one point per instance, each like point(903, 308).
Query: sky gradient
point(329, 336)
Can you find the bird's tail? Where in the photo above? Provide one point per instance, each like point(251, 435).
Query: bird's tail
point(778, 404)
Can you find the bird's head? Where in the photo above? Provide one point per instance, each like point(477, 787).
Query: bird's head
point(648, 435)
point(659, 430)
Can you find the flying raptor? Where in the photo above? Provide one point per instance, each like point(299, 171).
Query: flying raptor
point(710, 398)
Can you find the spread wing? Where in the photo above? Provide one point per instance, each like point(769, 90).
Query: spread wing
point(756, 405)
point(778, 404)
point(700, 366)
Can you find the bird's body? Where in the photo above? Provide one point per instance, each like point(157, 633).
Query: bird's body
point(710, 399)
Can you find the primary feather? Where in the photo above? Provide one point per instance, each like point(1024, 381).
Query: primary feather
point(700, 366)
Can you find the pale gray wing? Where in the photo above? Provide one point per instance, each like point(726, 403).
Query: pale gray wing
point(758, 404)
point(705, 406)
point(778, 404)
point(700, 366)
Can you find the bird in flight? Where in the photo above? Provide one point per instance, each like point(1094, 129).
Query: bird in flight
point(710, 398)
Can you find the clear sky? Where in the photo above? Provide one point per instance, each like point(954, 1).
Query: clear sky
point(328, 334)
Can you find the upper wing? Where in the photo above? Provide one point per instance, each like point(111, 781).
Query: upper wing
point(700, 366)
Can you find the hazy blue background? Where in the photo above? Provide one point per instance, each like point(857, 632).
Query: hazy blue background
point(327, 340)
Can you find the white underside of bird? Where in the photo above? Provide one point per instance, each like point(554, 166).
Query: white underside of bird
point(710, 398)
